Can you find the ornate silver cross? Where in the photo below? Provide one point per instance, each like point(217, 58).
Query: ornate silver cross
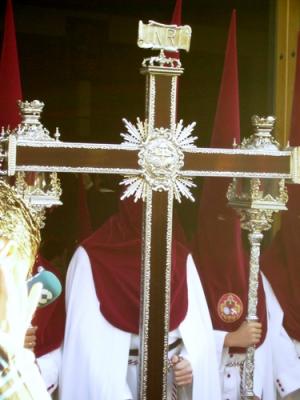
point(158, 160)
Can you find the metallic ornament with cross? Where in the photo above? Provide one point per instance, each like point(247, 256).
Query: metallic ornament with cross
point(158, 160)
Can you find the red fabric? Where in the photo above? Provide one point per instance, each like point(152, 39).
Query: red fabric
point(50, 320)
point(218, 249)
point(176, 20)
point(84, 221)
point(10, 83)
point(295, 117)
point(115, 255)
point(281, 261)
point(176, 17)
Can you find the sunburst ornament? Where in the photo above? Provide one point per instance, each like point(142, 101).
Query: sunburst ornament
point(161, 158)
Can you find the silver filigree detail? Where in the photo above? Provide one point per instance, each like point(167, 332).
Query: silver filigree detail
point(173, 108)
point(295, 164)
point(255, 238)
point(87, 170)
point(73, 145)
point(145, 289)
point(161, 159)
point(37, 211)
point(242, 151)
point(247, 387)
point(169, 237)
point(12, 155)
point(255, 200)
point(230, 174)
point(136, 135)
point(31, 129)
point(162, 61)
point(38, 189)
point(261, 139)
point(152, 95)
point(44, 193)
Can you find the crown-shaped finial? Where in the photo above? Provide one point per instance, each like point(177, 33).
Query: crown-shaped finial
point(30, 108)
point(263, 125)
point(262, 139)
point(31, 128)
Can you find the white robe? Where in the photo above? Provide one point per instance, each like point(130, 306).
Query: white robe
point(95, 353)
point(277, 360)
point(49, 366)
point(286, 352)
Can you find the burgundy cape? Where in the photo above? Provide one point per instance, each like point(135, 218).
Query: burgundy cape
point(218, 249)
point(114, 251)
point(281, 261)
point(50, 320)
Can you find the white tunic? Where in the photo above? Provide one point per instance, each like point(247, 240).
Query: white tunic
point(49, 366)
point(277, 360)
point(230, 372)
point(286, 352)
point(95, 353)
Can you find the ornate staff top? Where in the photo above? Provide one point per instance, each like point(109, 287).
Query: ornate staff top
point(158, 36)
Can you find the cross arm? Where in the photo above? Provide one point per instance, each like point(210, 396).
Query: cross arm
point(239, 163)
point(56, 156)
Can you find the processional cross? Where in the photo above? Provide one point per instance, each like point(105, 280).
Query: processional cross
point(158, 160)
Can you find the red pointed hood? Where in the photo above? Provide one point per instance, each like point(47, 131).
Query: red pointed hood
point(10, 82)
point(176, 20)
point(281, 261)
point(218, 249)
point(176, 17)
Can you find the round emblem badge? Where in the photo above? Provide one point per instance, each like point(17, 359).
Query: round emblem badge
point(230, 307)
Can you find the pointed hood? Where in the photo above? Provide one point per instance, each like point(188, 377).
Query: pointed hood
point(176, 20)
point(10, 82)
point(295, 120)
point(176, 17)
point(281, 261)
point(226, 126)
point(218, 249)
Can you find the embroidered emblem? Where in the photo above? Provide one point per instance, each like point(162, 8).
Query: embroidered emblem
point(230, 307)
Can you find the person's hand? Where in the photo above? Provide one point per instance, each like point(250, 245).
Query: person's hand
point(182, 370)
point(248, 334)
point(30, 338)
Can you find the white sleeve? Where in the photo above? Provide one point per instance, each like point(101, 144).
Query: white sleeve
point(285, 358)
point(197, 335)
point(49, 365)
point(221, 350)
